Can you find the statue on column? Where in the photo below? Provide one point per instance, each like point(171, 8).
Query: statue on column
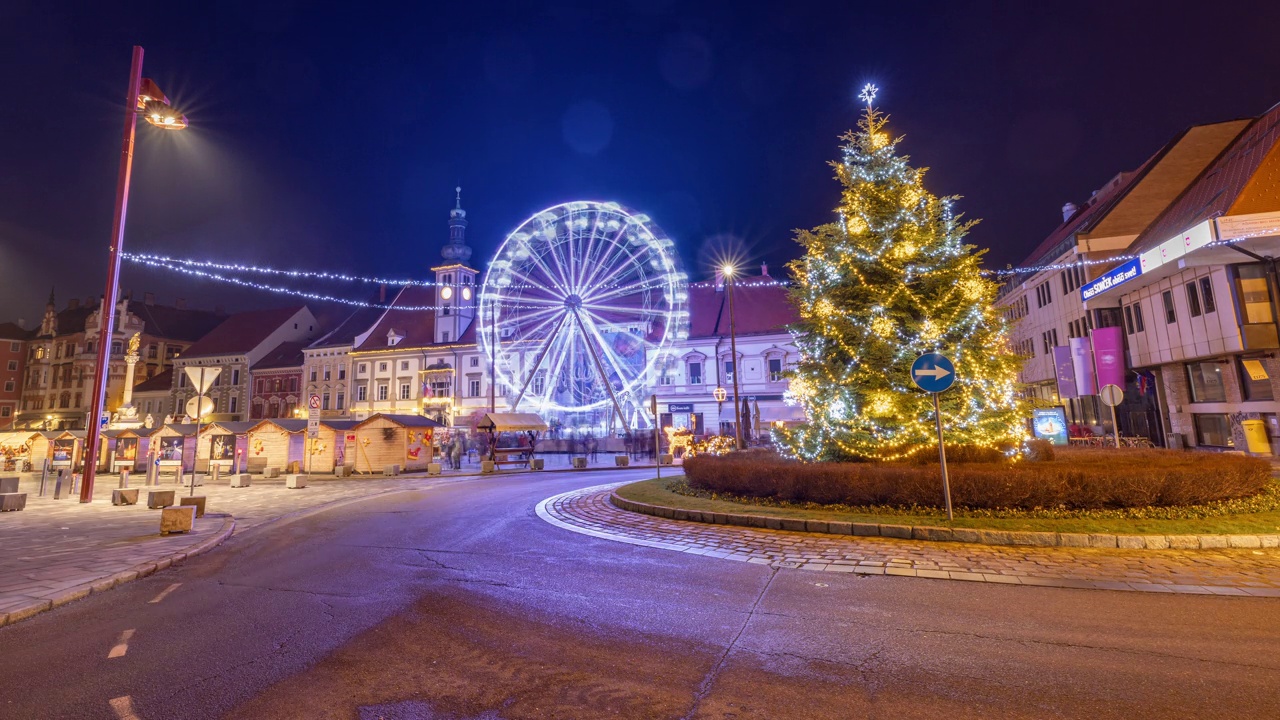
point(126, 416)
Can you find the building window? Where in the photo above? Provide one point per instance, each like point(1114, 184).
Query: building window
point(235, 377)
point(1128, 320)
point(341, 401)
point(382, 391)
point(444, 336)
point(728, 371)
point(1193, 299)
point(362, 368)
point(404, 364)
point(324, 401)
point(326, 373)
point(293, 384)
point(13, 364)
point(1206, 295)
point(1205, 381)
point(475, 362)
point(232, 406)
point(1254, 380)
point(775, 369)
point(1137, 317)
point(447, 310)
point(182, 379)
point(382, 367)
point(539, 385)
point(152, 352)
point(404, 391)
point(342, 372)
point(1213, 429)
point(312, 376)
point(1170, 317)
point(1255, 295)
point(8, 386)
point(362, 393)
point(15, 347)
point(695, 373)
point(473, 387)
point(6, 411)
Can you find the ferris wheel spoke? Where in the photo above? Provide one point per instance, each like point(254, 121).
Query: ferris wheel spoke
point(631, 287)
point(537, 363)
point(615, 245)
point(599, 322)
point(565, 343)
point(610, 357)
point(544, 284)
point(589, 259)
point(618, 263)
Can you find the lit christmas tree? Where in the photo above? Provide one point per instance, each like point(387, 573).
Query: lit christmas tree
point(888, 281)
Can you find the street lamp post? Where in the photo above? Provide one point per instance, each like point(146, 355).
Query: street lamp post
point(729, 270)
point(143, 96)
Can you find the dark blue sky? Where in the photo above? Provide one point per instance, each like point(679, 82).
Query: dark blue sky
point(332, 137)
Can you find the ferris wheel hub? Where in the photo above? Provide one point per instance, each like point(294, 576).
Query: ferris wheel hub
point(573, 302)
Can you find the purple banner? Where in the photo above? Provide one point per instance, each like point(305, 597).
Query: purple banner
point(1082, 362)
point(1108, 356)
point(1065, 372)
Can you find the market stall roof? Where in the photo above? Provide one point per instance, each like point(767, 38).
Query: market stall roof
point(340, 424)
point(289, 425)
point(511, 422)
point(402, 420)
point(183, 429)
point(235, 427)
point(139, 431)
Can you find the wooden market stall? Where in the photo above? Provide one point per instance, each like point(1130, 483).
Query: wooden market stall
point(174, 446)
point(60, 447)
point(383, 440)
point(15, 450)
point(512, 436)
point(224, 444)
point(129, 448)
point(276, 443)
point(339, 452)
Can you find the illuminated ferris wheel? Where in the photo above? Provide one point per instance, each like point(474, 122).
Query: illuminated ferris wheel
point(578, 307)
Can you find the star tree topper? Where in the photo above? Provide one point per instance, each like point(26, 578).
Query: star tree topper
point(868, 94)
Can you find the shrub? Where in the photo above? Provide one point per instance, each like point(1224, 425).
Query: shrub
point(1074, 479)
point(1039, 450)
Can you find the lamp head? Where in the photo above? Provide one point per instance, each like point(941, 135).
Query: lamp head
point(163, 116)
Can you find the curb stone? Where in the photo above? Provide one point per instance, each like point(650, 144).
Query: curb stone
point(39, 605)
point(964, 535)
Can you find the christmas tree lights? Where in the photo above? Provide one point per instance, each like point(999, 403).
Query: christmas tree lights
point(889, 280)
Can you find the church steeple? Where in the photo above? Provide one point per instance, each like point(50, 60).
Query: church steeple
point(49, 325)
point(457, 251)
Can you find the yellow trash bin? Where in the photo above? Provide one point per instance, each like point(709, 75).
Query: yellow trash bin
point(1255, 437)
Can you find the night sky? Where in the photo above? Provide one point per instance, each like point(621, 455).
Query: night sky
point(332, 138)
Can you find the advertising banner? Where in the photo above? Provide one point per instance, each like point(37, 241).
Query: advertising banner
point(1108, 356)
point(1082, 363)
point(1050, 424)
point(1065, 371)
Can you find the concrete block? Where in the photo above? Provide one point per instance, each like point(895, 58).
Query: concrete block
point(1269, 541)
point(836, 527)
point(177, 519)
point(815, 526)
point(124, 496)
point(12, 502)
point(537, 464)
point(1212, 542)
point(241, 480)
point(486, 467)
point(1184, 542)
point(196, 501)
point(8, 484)
point(666, 459)
point(1244, 541)
point(434, 468)
point(579, 463)
point(342, 471)
point(1102, 540)
point(932, 534)
point(1131, 542)
point(294, 481)
point(1156, 542)
point(965, 535)
point(160, 498)
point(391, 470)
point(1073, 539)
point(897, 531)
point(621, 460)
point(271, 472)
point(866, 529)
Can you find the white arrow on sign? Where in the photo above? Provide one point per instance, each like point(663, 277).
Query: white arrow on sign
point(935, 372)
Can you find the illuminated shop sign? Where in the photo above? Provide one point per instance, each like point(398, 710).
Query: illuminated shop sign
point(1117, 275)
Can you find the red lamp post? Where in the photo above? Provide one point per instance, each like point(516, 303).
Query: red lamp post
point(145, 98)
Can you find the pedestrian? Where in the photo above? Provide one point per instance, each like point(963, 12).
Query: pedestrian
point(457, 454)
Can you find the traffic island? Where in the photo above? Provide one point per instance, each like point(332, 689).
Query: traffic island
point(1248, 530)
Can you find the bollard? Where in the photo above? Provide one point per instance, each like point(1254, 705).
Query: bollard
point(124, 478)
point(44, 476)
point(217, 472)
point(57, 485)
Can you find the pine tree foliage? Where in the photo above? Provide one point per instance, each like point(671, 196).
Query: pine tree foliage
point(889, 280)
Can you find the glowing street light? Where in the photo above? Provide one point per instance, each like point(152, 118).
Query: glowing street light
point(143, 98)
point(729, 271)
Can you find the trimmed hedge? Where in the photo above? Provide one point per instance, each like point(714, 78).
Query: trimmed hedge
point(1076, 478)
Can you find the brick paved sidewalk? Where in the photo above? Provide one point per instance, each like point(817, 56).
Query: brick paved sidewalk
point(56, 551)
point(1220, 572)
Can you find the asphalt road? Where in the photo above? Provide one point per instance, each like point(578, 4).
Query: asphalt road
point(458, 602)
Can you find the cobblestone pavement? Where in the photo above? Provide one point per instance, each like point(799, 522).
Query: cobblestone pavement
point(1220, 572)
point(58, 550)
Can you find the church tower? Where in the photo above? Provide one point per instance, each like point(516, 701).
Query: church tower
point(49, 325)
point(455, 280)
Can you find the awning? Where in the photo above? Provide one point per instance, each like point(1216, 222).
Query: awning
point(782, 413)
point(511, 422)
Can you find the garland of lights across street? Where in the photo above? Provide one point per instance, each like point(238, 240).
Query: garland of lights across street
point(579, 303)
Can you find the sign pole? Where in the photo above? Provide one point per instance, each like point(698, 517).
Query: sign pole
point(195, 454)
point(657, 444)
point(942, 455)
point(1115, 427)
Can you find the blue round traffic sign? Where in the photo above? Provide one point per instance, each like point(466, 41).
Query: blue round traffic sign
point(933, 373)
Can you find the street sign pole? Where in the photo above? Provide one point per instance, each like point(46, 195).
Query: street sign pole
point(1113, 395)
point(657, 444)
point(942, 455)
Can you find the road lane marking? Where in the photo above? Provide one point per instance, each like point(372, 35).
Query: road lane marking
point(122, 645)
point(163, 594)
point(123, 707)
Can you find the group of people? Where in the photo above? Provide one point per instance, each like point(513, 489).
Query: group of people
point(452, 450)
